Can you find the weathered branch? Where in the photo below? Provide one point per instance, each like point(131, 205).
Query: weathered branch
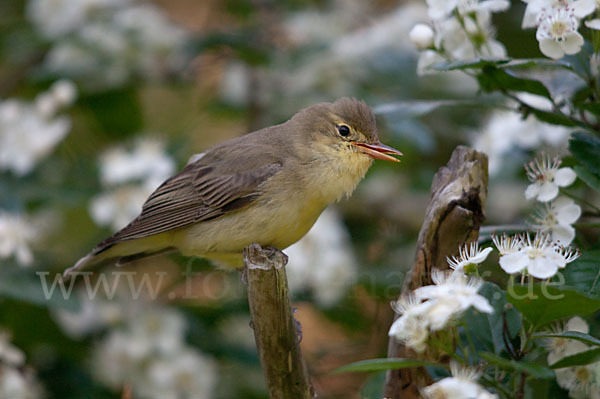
point(274, 326)
point(454, 214)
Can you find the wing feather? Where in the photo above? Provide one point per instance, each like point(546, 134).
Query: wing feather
point(196, 194)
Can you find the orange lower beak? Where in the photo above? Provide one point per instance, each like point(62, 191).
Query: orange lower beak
point(378, 151)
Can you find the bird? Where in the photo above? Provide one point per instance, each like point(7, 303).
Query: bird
point(266, 187)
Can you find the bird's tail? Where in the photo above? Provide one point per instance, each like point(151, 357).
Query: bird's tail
point(119, 254)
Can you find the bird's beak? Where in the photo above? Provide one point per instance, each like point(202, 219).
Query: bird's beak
point(378, 151)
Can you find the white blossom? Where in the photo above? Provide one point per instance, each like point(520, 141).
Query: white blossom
point(412, 327)
point(540, 257)
point(535, 8)
point(103, 43)
point(559, 347)
point(10, 354)
point(146, 161)
point(555, 219)
point(468, 39)
point(582, 382)
point(119, 206)
point(433, 307)
point(161, 329)
point(557, 33)
point(17, 384)
point(92, 316)
point(17, 234)
point(451, 295)
point(507, 244)
point(149, 352)
point(30, 131)
point(546, 177)
point(322, 261)
point(439, 9)
point(145, 167)
point(17, 381)
point(469, 255)
point(185, 374)
point(421, 35)
point(463, 384)
point(54, 18)
point(506, 130)
point(459, 38)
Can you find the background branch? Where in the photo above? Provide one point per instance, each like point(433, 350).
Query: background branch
point(453, 216)
point(273, 323)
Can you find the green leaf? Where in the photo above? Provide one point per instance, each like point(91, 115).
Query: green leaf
point(584, 273)
point(579, 359)
point(468, 64)
point(594, 108)
point(494, 79)
point(543, 303)
point(533, 369)
point(589, 178)
point(553, 118)
point(586, 149)
point(487, 329)
point(523, 63)
point(381, 364)
point(578, 336)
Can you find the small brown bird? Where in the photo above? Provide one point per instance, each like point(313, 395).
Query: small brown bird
point(268, 187)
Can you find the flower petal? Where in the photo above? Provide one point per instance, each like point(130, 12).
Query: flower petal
point(593, 24)
point(572, 43)
point(515, 262)
point(568, 214)
point(481, 255)
point(481, 303)
point(578, 324)
point(563, 234)
point(564, 176)
point(548, 191)
point(552, 256)
point(582, 8)
point(550, 48)
point(532, 190)
point(541, 268)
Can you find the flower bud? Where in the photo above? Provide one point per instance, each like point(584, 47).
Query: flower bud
point(421, 35)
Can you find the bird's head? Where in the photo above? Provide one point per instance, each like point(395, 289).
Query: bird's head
point(346, 127)
point(339, 141)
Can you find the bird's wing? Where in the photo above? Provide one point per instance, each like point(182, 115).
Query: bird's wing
point(200, 192)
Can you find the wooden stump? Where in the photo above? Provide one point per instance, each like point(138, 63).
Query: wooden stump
point(454, 214)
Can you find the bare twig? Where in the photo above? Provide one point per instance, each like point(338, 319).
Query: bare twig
point(275, 329)
point(454, 214)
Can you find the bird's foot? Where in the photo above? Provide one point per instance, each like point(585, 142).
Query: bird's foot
point(266, 257)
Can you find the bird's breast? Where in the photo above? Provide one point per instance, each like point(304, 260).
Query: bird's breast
point(338, 176)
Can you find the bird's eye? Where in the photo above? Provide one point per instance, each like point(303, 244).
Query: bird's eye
point(343, 130)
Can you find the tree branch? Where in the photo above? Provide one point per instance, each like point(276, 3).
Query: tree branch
point(454, 214)
point(275, 329)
